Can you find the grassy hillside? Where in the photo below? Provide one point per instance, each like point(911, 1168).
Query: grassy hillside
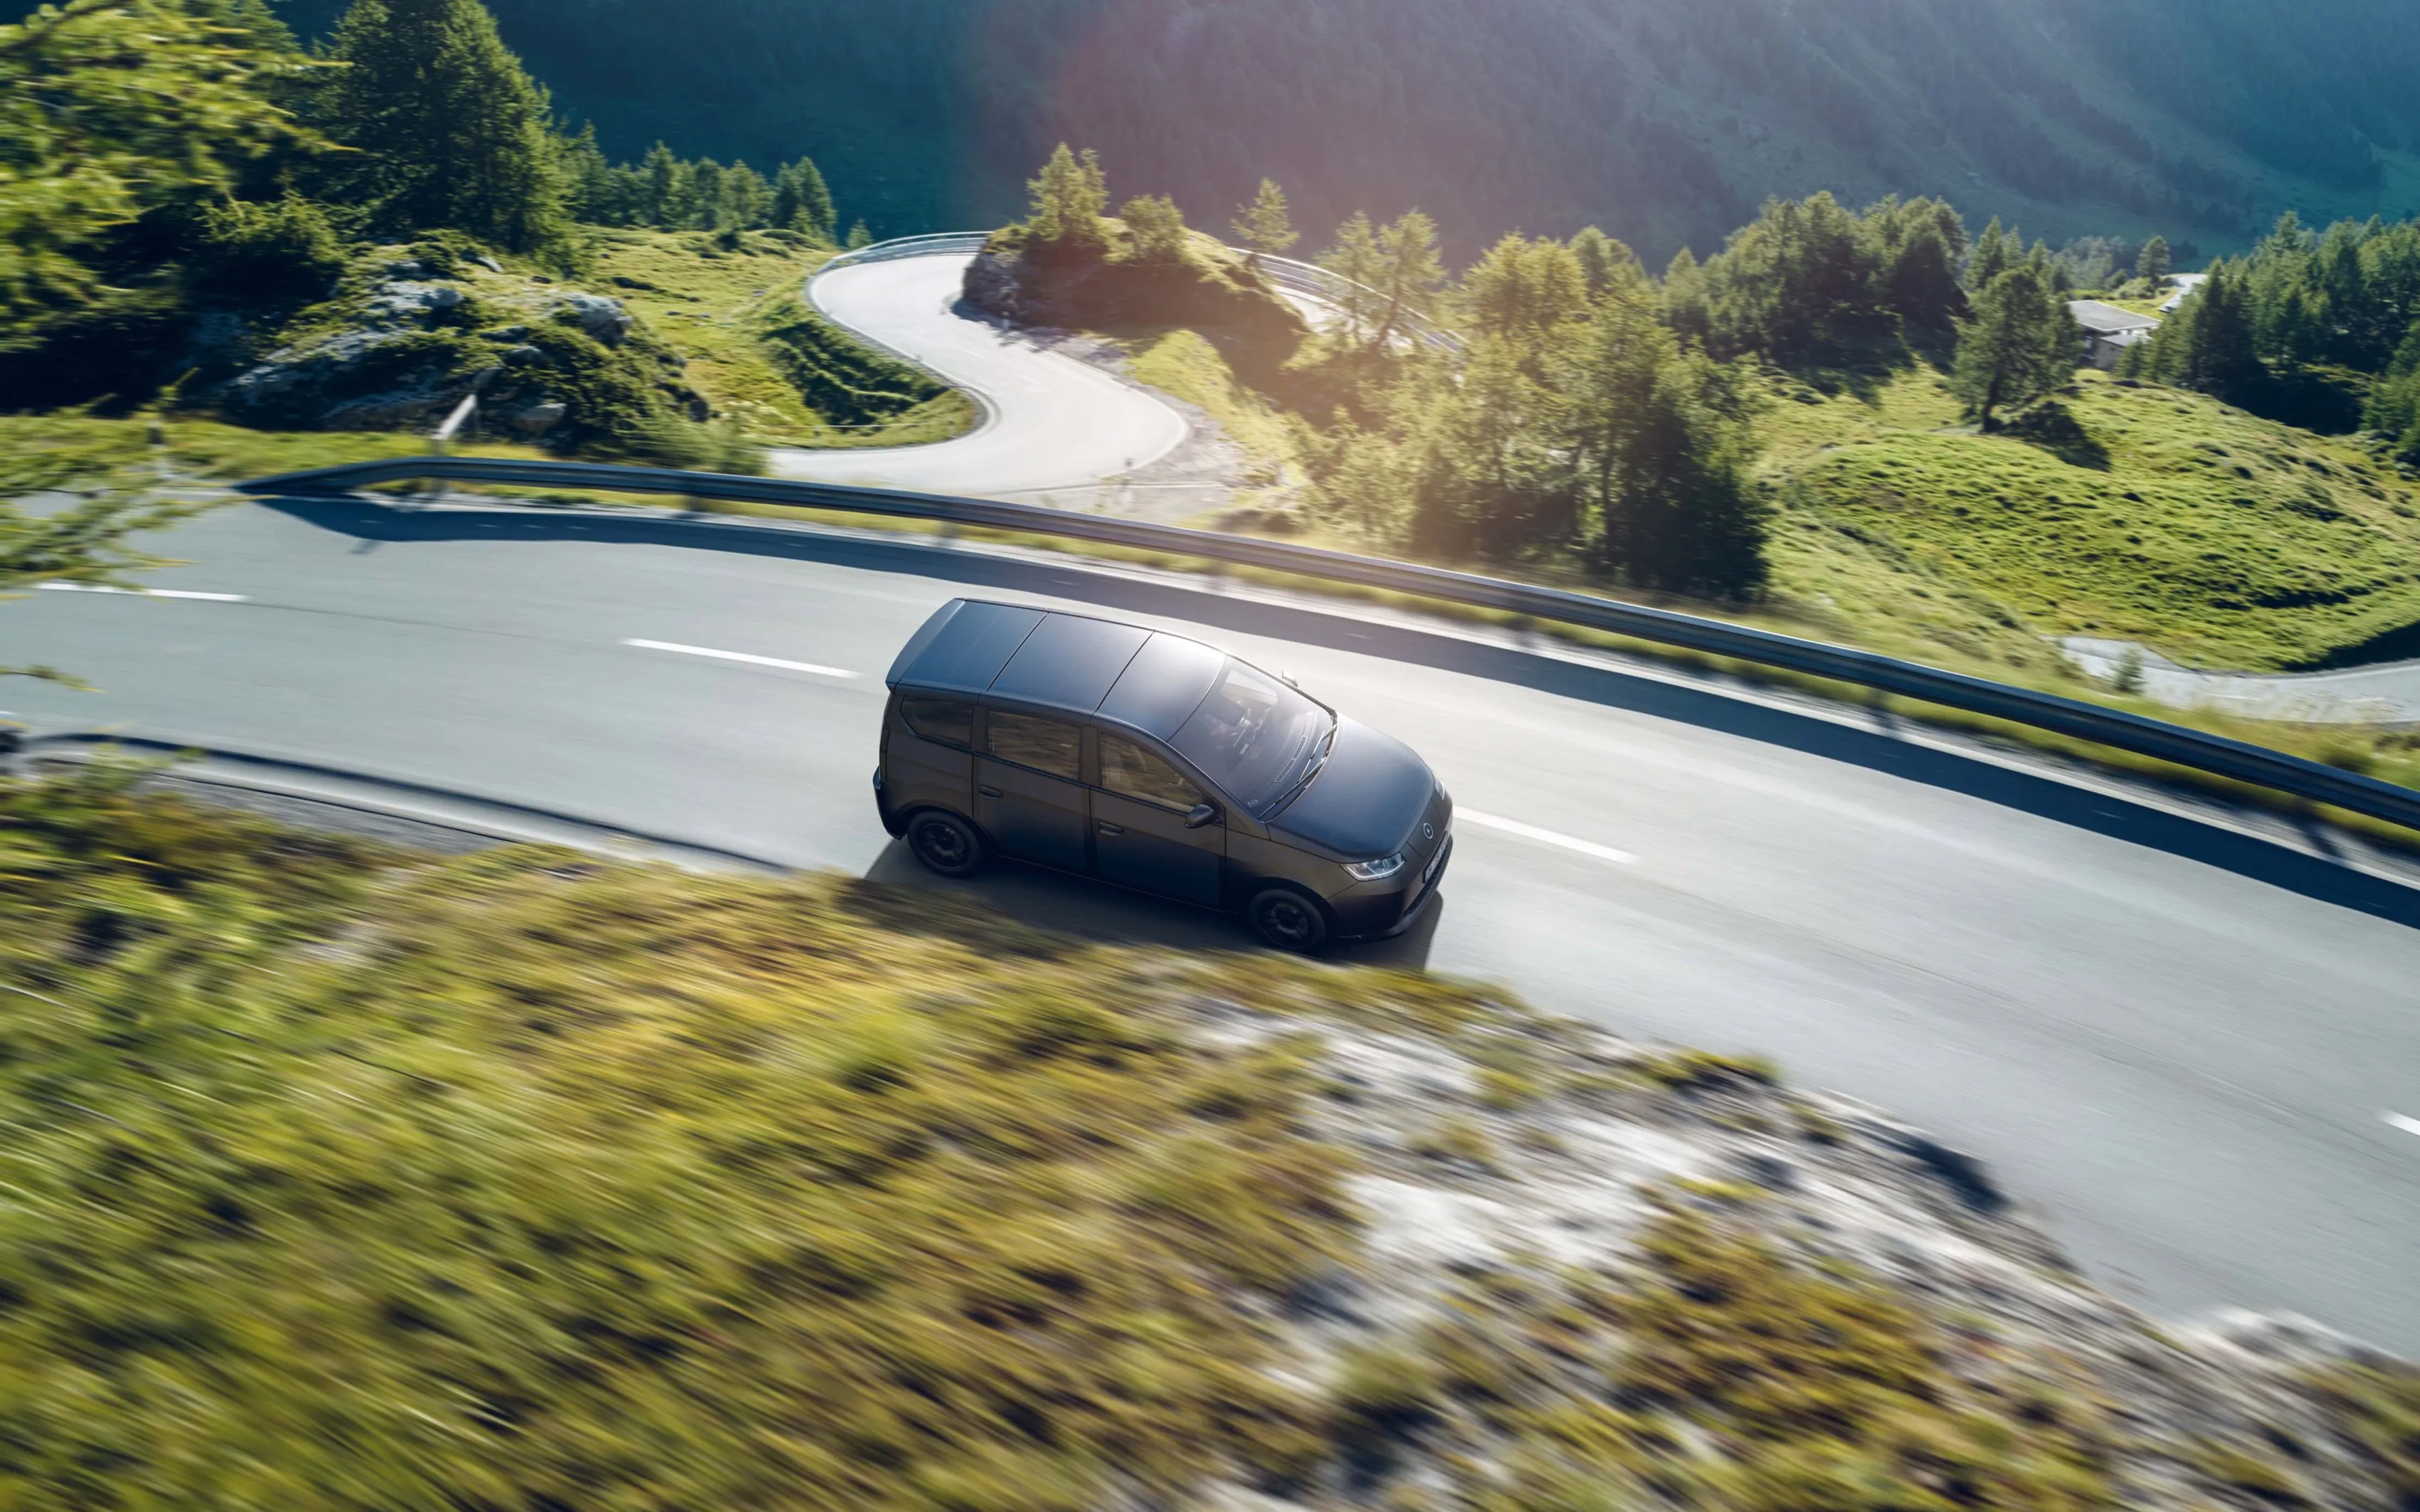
point(757, 353)
point(1663, 120)
point(344, 1177)
point(2144, 514)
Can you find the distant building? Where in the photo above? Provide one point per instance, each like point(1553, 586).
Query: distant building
point(2187, 286)
point(2108, 331)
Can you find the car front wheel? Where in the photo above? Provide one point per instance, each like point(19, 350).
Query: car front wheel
point(946, 843)
point(1287, 919)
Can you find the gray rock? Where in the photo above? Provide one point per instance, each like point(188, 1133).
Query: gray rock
point(511, 333)
point(487, 262)
point(598, 315)
point(537, 419)
point(524, 356)
point(407, 267)
point(291, 368)
point(402, 300)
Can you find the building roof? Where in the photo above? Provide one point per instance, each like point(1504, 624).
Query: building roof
point(1145, 678)
point(2101, 319)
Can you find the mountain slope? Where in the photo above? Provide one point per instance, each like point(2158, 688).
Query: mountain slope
point(1663, 120)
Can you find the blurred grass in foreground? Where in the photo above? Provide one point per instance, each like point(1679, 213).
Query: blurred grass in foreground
point(336, 1176)
point(333, 1175)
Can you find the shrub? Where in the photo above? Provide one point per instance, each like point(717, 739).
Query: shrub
point(284, 250)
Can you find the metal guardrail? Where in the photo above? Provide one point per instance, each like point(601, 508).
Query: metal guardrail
point(2155, 738)
point(1315, 282)
point(935, 245)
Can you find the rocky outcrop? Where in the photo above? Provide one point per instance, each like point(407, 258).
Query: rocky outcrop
point(1207, 288)
point(574, 369)
point(1599, 1273)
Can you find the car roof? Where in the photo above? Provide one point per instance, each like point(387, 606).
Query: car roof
point(1145, 678)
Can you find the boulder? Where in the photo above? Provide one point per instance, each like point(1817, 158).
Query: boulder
point(401, 300)
point(598, 315)
point(537, 419)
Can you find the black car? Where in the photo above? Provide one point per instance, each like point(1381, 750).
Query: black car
point(1157, 763)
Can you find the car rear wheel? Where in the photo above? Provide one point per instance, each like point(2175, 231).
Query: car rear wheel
point(1287, 920)
point(946, 843)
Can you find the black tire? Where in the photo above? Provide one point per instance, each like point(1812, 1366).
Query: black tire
point(1288, 920)
point(947, 843)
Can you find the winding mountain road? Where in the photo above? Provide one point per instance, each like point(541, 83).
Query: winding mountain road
point(1051, 424)
point(2184, 1041)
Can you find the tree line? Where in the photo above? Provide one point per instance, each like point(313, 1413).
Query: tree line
point(2318, 327)
point(672, 193)
point(167, 150)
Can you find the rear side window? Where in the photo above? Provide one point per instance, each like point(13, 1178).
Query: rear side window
point(947, 720)
point(1045, 745)
point(1131, 772)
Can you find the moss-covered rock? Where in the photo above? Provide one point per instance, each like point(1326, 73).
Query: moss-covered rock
point(1110, 285)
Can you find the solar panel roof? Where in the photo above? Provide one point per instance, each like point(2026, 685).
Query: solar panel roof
point(1069, 662)
point(1066, 662)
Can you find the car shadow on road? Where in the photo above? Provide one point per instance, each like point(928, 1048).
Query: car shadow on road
point(1094, 911)
point(1445, 648)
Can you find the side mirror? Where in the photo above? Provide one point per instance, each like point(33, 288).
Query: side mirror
point(1204, 813)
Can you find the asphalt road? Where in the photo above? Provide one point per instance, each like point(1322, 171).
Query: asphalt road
point(1054, 422)
point(2386, 693)
point(2180, 1041)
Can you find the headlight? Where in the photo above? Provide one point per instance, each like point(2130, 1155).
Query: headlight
point(1376, 871)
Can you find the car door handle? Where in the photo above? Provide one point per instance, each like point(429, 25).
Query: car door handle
point(1107, 828)
point(988, 792)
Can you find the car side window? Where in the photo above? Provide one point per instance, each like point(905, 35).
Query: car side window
point(947, 720)
point(1045, 745)
point(1131, 772)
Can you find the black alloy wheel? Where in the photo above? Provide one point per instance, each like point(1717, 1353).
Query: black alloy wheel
point(946, 843)
point(1287, 919)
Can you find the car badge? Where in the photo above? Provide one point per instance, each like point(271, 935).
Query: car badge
point(1428, 832)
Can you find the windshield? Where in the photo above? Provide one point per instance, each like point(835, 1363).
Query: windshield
point(1255, 737)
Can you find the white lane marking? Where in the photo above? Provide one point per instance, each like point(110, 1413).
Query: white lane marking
point(740, 655)
point(2409, 1126)
point(1545, 837)
point(146, 593)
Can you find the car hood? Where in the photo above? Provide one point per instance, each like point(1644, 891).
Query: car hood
point(1366, 802)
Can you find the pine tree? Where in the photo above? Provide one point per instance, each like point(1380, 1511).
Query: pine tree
point(801, 201)
point(2153, 261)
point(1686, 309)
point(2020, 343)
point(2218, 353)
point(667, 185)
point(1069, 196)
point(1994, 253)
point(1355, 259)
point(447, 127)
point(704, 203)
point(1263, 225)
point(1156, 225)
point(1605, 262)
point(859, 237)
point(1409, 272)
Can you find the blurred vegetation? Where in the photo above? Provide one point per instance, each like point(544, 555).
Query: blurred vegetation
point(340, 1177)
point(193, 198)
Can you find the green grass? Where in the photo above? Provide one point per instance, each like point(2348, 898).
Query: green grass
point(2140, 514)
point(70, 446)
point(338, 1176)
point(727, 310)
point(342, 1178)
